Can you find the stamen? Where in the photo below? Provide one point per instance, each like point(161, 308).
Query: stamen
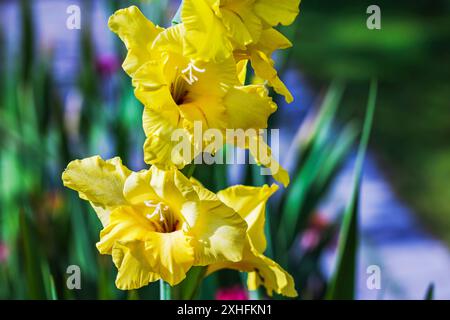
point(166, 221)
point(190, 69)
point(159, 209)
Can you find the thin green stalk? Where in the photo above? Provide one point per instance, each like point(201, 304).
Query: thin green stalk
point(165, 290)
point(343, 282)
point(430, 292)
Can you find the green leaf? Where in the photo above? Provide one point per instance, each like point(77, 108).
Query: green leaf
point(33, 271)
point(430, 292)
point(320, 156)
point(342, 285)
point(49, 282)
point(53, 294)
point(189, 170)
point(189, 288)
point(84, 249)
point(27, 39)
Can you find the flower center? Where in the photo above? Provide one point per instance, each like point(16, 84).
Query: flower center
point(179, 89)
point(184, 79)
point(160, 216)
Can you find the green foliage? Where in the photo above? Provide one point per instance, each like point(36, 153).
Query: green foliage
point(429, 295)
point(343, 282)
point(314, 162)
point(409, 56)
point(47, 228)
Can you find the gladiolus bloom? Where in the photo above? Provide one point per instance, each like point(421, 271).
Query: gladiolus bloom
point(250, 203)
point(156, 224)
point(178, 92)
point(217, 28)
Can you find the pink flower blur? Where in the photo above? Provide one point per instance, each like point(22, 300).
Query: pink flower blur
point(233, 293)
point(312, 235)
point(107, 64)
point(4, 252)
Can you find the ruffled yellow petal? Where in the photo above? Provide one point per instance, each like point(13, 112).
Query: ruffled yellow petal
point(216, 79)
point(174, 103)
point(202, 192)
point(241, 22)
point(133, 264)
point(217, 231)
point(209, 110)
point(264, 68)
point(137, 33)
point(277, 12)
point(170, 40)
point(137, 188)
point(126, 224)
point(260, 55)
point(263, 156)
point(212, 78)
point(173, 187)
point(270, 275)
point(163, 255)
point(152, 87)
point(262, 271)
point(170, 255)
point(248, 107)
point(159, 148)
point(272, 40)
point(241, 67)
point(204, 100)
point(98, 181)
point(250, 203)
point(206, 37)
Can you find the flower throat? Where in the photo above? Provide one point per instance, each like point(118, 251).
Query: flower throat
point(161, 218)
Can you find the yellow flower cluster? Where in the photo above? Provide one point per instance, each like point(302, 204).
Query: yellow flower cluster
point(157, 223)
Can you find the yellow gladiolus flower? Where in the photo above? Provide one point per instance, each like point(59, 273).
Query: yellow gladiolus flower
point(217, 28)
point(156, 224)
point(137, 33)
point(250, 203)
point(178, 92)
point(260, 55)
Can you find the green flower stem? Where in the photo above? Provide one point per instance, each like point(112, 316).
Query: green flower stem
point(189, 170)
point(165, 291)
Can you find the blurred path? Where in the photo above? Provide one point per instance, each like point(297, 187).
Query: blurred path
point(391, 237)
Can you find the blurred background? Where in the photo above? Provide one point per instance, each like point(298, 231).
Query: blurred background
point(64, 96)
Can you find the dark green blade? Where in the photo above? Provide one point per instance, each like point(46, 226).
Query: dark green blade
point(342, 285)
